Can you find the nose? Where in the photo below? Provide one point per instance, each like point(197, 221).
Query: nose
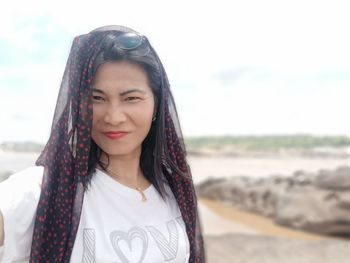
point(114, 114)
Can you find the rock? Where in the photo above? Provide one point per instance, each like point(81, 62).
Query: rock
point(241, 248)
point(303, 178)
point(318, 203)
point(249, 194)
point(336, 180)
point(315, 210)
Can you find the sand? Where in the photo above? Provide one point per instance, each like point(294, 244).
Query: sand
point(218, 219)
point(214, 223)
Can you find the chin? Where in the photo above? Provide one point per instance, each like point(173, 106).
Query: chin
point(115, 150)
point(119, 147)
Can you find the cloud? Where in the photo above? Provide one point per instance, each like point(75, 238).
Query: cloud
point(229, 76)
point(234, 66)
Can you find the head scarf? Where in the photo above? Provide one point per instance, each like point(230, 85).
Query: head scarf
point(66, 155)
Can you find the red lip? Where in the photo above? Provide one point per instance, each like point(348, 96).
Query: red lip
point(115, 135)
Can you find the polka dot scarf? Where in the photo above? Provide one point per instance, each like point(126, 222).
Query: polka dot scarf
point(66, 155)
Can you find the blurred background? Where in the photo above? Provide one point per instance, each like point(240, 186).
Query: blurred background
point(262, 90)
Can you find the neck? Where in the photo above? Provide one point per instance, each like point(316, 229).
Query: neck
point(124, 168)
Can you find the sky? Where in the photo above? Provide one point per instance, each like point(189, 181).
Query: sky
point(247, 67)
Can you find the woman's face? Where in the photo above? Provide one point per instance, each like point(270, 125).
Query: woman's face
point(122, 101)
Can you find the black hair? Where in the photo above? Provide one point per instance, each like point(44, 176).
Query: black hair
point(152, 146)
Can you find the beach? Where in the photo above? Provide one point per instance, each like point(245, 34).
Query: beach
point(233, 235)
point(219, 219)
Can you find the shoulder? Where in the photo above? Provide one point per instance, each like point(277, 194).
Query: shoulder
point(19, 197)
point(24, 180)
point(28, 174)
point(21, 187)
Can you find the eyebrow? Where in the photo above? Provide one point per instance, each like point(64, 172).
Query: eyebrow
point(121, 93)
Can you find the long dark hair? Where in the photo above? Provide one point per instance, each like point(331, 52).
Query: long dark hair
point(151, 154)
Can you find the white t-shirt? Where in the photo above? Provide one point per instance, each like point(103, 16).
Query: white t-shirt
point(115, 225)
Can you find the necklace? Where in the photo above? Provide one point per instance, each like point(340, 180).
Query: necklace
point(138, 188)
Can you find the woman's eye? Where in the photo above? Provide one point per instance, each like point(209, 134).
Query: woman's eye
point(132, 98)
point(97, 98)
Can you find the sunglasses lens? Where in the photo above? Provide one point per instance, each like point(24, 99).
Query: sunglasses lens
point(129, 41)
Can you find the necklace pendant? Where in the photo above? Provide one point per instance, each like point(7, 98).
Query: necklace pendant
point(144, 198)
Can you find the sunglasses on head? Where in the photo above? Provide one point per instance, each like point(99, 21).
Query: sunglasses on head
point(136, 44)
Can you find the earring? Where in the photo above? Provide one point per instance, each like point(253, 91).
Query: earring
point(154, 118)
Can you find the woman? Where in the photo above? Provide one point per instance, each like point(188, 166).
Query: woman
point(116, 186)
